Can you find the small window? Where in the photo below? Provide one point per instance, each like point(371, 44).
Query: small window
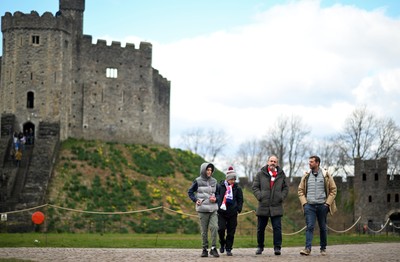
point(396, 198)
point(111, 73)
point(370, 199)
point(376, 177)
point(30, 99)
point(35, 39)
point(388, 198)
point(364, 177)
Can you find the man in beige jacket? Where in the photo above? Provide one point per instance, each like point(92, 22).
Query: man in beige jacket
point(317, 192)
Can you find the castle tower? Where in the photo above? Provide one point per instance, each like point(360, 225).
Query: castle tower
point(370, 190)
point(36, 56)
point(73, 9)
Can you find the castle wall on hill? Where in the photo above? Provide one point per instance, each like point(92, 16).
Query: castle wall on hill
point(51, 72)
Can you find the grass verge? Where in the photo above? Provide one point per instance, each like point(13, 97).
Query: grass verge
point(167, 240)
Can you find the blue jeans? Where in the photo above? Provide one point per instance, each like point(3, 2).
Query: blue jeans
point(314, 212)
point(262, 223)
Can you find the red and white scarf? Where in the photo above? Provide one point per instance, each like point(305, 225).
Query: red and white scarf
point(228, 195)
point(273, 176)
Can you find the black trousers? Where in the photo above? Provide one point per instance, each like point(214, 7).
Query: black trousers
point(262, 223)
point(228, 224)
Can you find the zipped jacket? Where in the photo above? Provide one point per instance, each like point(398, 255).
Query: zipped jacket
point(270, 200)
point(202, 188)
point(330, 191)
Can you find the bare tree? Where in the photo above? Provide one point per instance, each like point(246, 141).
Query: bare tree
point(286, 139)
point(192, 140)
point(394, 161)
point(208, 144)
point(388, 136)
point(330, 155)
point(251, 156)
point(358, 135)
point(216, 141)
point(366, 136)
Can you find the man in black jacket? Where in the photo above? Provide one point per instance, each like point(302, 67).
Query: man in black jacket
point(230, 203)
point(270, 189)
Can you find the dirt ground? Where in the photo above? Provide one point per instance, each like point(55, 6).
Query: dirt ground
point(363, 252)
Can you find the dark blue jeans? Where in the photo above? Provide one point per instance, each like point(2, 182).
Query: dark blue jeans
point(313, 212)
point(262, 223)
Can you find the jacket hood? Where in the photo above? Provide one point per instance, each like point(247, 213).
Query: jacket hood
point(203, 169)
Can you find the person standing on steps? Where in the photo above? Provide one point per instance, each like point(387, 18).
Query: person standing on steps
point(230, 202)
point(270, 189)
point(203, 193)
point(18, 157)
point(317, 192)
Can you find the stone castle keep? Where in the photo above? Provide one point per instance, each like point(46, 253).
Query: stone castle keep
point(52, 73)
point(56, 84)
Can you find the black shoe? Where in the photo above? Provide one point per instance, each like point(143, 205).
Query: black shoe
point(214, 252)
point(277, 251)
point(259, 250)
point(204, 253)
point(228, 253)
point(221, 250)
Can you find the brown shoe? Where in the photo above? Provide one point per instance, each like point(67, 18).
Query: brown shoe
point(323, 252)
point(305, 252)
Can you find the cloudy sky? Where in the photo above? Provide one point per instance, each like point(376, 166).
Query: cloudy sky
point(240, 65)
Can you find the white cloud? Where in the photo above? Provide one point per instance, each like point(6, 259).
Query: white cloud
point(298, 58)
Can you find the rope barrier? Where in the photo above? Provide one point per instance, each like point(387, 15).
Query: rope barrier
point(290, 234)
point(105, 213)
point(393, 225)
point(182, 213)
point(344, 231)
point(24, 210)
point(387, 221)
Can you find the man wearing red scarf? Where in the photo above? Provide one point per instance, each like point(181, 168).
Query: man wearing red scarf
point(270, 189)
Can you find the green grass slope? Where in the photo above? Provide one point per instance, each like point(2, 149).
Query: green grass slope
point(119, 188)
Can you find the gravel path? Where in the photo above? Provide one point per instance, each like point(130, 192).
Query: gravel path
point(363, 252)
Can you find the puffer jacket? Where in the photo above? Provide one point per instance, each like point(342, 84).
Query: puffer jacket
point(202, 188)
point(270, 200)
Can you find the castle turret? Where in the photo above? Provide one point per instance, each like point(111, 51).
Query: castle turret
point(73, 9)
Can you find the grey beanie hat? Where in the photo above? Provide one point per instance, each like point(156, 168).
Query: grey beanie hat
point(230, 173)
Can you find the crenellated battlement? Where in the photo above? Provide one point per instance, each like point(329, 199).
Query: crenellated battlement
point(33, 21)
point(145, 47)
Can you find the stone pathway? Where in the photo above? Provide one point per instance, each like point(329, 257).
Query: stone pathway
point(363, 252)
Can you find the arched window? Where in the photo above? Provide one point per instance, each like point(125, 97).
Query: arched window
point(364, 178)
point(370, 199)
point(376, 176)
point(30, 99)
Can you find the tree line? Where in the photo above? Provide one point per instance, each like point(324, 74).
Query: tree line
point(363, 136)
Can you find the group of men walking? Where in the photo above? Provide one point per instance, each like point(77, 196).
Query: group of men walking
point(218, 205)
